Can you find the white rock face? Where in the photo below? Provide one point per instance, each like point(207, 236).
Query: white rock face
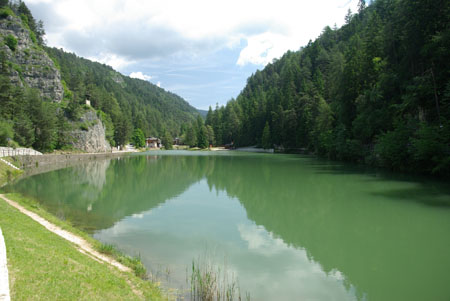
point(93, 140)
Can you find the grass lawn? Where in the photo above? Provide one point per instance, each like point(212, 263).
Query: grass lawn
point(6, 172)
point(44, 266)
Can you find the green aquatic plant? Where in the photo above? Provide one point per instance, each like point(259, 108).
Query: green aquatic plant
point(209, 281)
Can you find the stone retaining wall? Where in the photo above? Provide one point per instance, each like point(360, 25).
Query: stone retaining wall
point(47, 162)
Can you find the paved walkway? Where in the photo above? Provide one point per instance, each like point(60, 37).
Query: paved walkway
point(82, 245)
point(4, 281)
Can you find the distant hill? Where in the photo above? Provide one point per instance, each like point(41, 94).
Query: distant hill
point(202, 113)
point(135, 102)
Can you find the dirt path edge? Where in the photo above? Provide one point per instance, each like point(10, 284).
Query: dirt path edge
point(82, 245)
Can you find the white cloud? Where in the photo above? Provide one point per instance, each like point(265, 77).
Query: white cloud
point(113, 60)
point(201, 40)
point(142, 30)
point(262, 49)
point(140, 75)
point(261, 241)
point(158, 84)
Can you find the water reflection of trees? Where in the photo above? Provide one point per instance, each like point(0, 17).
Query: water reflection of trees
point(97, 194)
point(340, 217)
point(343, 222)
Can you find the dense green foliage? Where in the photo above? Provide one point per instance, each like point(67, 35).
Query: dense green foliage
point(122, 103)
point(25, 119)
point(376, 91)
point(127, 102)
point(6, 132)
point(197, 134)
point(36, 28)
point(11, 42)
point(167, 140)
point(138, 138)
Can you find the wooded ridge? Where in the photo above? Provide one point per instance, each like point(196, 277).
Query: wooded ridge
point(376, 91)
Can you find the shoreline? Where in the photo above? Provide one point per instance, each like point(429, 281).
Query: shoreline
point(82, 245)
point(114, 265)
point(126, 268)
point(32, 165)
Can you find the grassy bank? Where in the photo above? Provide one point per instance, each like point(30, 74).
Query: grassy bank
point(8, 173)
point(44, 266)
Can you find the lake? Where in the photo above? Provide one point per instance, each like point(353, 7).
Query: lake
point(288, 227)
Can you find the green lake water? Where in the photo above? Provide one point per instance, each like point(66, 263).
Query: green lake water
point(288, 227)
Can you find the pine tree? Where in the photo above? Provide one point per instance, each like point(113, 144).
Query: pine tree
point(265, 139)
point(167, 140)
point(191, 137)
point(202, 138)
point(138, 138)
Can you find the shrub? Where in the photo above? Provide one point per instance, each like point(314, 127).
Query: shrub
point(5, 12)
point(392, 148)
point(107, 249)
point(84, 127)
point(138, 138)
point(33, 37)
point(6, 132)
point(11, 41)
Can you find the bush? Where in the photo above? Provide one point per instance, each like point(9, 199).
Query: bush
point(11, 42)
point(5, 12)
point(107, 249)
point(138, 138)
point(33, 37)
point(167, 141)
point(392, 149)
point(13, 144)
point(431, 149)
point(6, 132)
point(84, 127)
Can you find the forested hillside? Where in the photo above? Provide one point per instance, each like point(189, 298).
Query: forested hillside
point(376, 90)
point(43, 93)
point(127, 102)
point(30, 87)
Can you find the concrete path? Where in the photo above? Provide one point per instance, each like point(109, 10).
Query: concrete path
point(4, 280)
point(82, 245)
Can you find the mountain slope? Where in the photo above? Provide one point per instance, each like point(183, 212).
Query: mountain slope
point(43, 93)
point(142, 104)
point(375, 91)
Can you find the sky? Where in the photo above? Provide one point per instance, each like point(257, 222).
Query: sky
point(202, 50)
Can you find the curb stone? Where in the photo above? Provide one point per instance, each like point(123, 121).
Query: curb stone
point(4, 281)
point(9, 164)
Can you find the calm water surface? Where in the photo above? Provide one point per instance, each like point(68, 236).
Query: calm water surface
point(289, 227)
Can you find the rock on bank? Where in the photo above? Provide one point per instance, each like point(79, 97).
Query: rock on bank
point(90, 135)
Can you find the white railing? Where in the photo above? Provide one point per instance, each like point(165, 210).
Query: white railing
point(20, 151)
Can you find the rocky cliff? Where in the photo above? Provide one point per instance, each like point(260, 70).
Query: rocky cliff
point(29, 63)
point(90, 137)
